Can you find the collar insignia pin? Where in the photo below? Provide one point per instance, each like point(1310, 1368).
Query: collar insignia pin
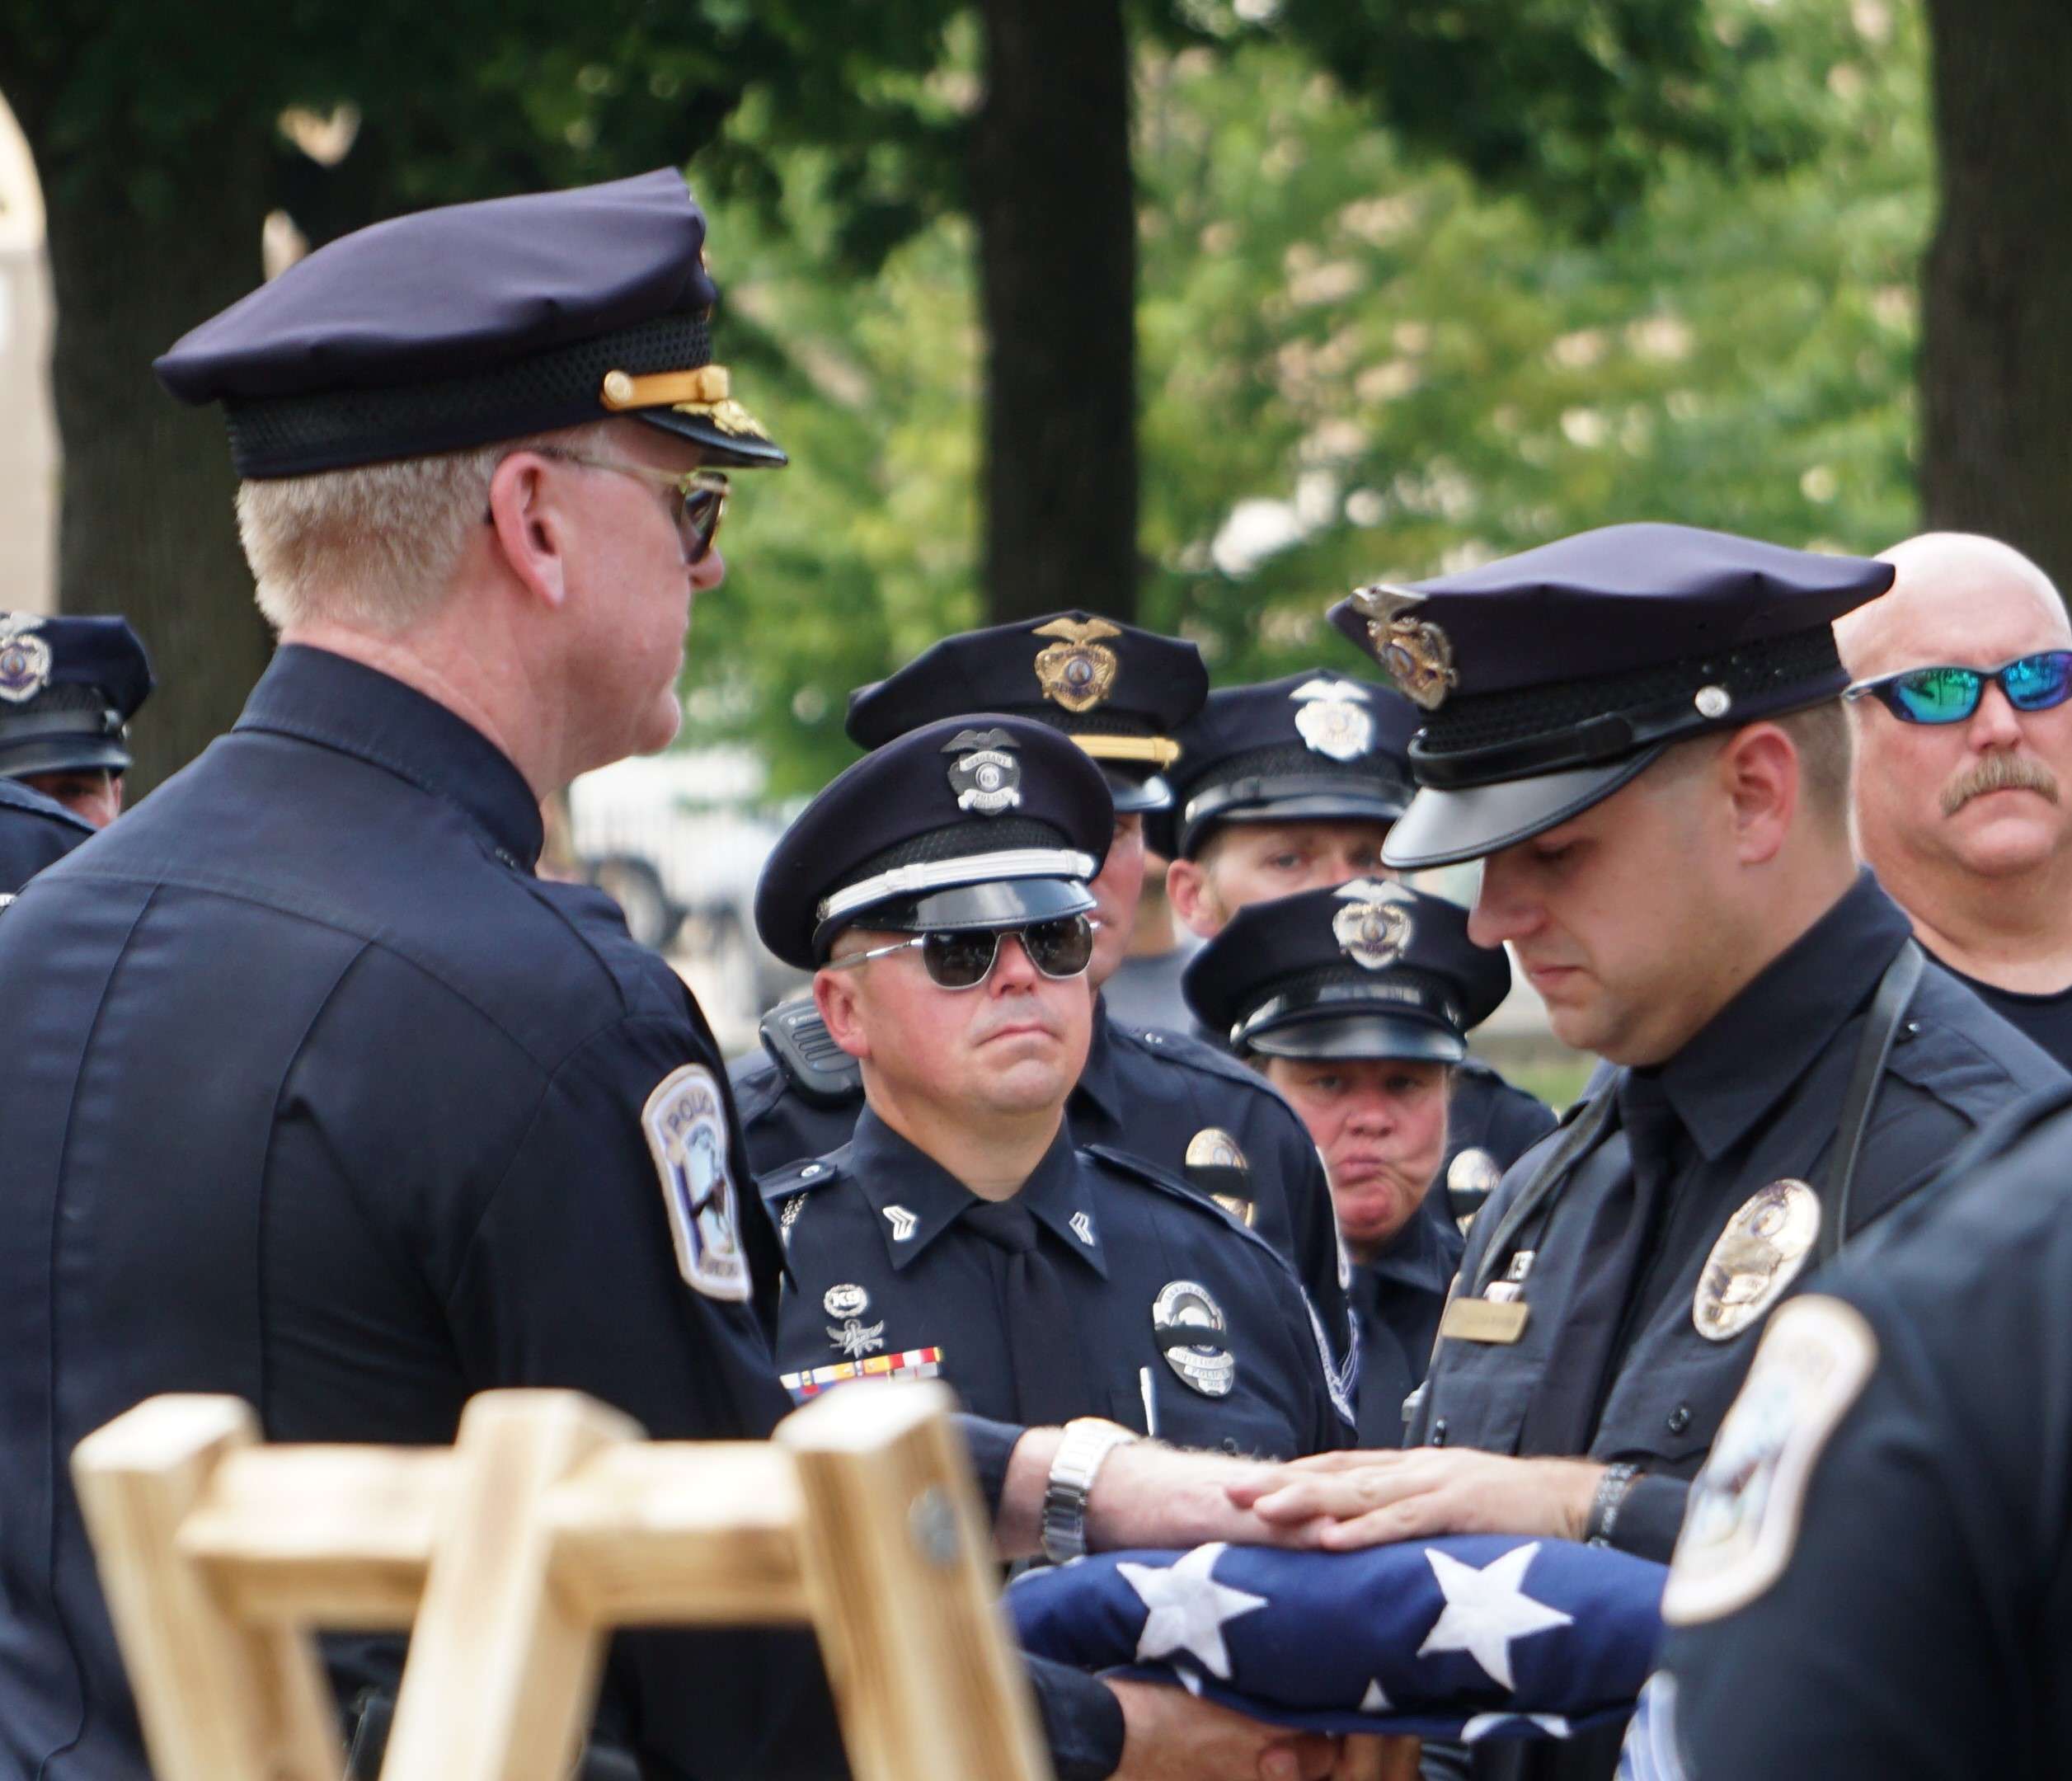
point(25, 658)
point(1082, 1227)
point(1418, 656)
point(903, 1223)
point(985, 775)
point(1079, 671)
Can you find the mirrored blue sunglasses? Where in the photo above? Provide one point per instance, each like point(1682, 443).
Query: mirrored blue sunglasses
point(1946, 695)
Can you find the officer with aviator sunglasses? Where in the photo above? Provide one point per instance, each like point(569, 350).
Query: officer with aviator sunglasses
point(937, 890)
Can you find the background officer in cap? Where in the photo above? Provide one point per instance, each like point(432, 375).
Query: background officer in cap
point(1638, 731)
point(937, 889)
point(1291, 785)
point(1356, 1003)
point(1874, 1553)
point(34, 831)
point(68, 687)
point(1120, 693)
point(415, 1122)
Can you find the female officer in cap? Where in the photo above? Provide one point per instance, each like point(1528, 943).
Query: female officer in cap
point(938, 892)
point(1355, 1003)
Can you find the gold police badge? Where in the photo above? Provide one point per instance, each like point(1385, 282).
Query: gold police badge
point(1759, 1253)
point(1215, 1161)
point(1418, 656)
point(1373, 929)
point(25, 658)
point(1079, 671)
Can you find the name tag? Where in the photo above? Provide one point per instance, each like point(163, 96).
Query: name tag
point(1485, 1320)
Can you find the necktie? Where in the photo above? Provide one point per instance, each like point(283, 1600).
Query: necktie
point(1611, 1248)
point(1050, 1384)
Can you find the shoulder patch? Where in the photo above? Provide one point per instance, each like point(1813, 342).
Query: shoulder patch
point(1742, 1523)
point(685, 1121)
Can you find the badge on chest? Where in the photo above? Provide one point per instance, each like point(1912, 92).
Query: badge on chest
point(1761, 1252)
point(1189, 1327)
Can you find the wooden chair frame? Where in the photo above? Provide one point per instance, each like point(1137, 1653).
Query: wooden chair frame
point(511, 1556)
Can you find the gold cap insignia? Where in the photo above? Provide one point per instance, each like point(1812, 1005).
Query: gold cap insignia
point(1759, 1254)
point(1418, 656)
point(24, 658)
point(1079, 671)
point(1373, 926)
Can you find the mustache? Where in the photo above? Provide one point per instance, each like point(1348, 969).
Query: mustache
point(2000, 772)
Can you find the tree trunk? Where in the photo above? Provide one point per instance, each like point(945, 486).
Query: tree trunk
point(1996, 345)
point(1055, 209)
point(146, 526)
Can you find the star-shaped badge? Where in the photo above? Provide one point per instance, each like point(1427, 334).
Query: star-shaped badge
point(1188, 1609)
point(1486, 1610)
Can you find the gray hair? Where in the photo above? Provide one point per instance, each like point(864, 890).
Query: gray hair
point(374, 546)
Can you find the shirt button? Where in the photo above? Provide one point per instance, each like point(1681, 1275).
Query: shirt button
point(1153, 1038)
point(809, 1172)
point(1230, 1443)
point(1439, 1432)
point(1680, 1419)
point(507, 857)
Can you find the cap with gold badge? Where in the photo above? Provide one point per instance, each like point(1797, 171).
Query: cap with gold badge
point(462, 326)
point(1118, 692)
point(1548, 681)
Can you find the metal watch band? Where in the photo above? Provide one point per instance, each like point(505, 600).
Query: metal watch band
point(1610, 1499)
point(1088, 1442)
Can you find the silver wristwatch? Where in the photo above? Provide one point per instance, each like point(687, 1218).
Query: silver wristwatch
point(1088, 1440)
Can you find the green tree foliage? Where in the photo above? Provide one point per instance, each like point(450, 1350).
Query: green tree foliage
point(1352, 349)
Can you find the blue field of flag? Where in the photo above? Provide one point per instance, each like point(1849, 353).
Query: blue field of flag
point(1469, 1636)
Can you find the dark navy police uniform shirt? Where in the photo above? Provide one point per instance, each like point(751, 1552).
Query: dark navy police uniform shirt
point(884, 1267)
point(1150, 1093)
point(319, 1096)
point(2045, 1019)
point(35, 830)
point(1922, 1624)
point(1752, 1099)
point(1397, 1299)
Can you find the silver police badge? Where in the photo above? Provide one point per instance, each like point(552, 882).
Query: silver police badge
point(1759, 1253)
point(1188, 1323)
point(985, 775)
point(25, 658)
point(1418, 656)
point(1373, 926)
point(1331, 718)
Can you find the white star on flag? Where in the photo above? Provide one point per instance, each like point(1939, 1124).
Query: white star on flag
point(1375, 1700)
point(1188, 1609)
point(1486, 1610)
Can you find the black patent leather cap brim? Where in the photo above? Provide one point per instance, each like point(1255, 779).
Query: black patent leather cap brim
point(1444, 828)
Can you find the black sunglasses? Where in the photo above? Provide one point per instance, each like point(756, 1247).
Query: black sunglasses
point(1947, 695)
point(698, 498)
point(963, 958)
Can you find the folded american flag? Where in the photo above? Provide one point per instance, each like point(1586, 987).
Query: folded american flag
point(1470, 1637)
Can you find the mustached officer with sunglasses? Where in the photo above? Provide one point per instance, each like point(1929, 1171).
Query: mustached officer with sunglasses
point(1120, 693)
point(1639, 732)
point(938, 892)
point(1963, 769)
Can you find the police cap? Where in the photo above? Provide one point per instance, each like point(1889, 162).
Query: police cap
point(1549, 680)
point(983, 820)
point(1367, 970)
point(68, 687)
point(1317, 745)
point(463, 325)
point(1117, 691)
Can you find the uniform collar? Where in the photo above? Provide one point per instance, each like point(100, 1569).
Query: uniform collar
point(910, 1192)
point(319, 697)
point(1758, 1047)
point(1097, 1079)
point(1419, 1255)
